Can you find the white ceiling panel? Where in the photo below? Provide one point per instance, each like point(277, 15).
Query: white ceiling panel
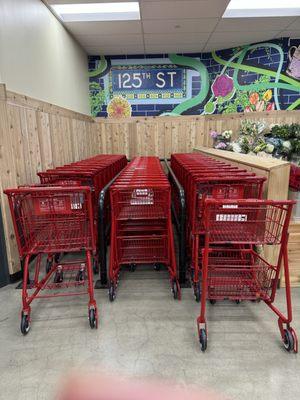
point(184, 38)
point(294, 34)
point(113, 50)
point(110, 40)
point(105, 28)
point(295, 24)
point(179, 25)
point(242, 37)
point(175, 48)
point(182, 9)
point(183, 26)
point(253, 24)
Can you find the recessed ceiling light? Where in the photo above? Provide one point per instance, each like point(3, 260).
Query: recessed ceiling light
point(262, 8)
point(98, 11)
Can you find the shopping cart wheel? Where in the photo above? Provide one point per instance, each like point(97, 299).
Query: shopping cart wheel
point(79, 276)
point(132, 267)
point(203, 339)
point(25, 324)
point(197, 292)
point(157, 267)
point(238, 301)
point(288, 340)
point(58, 277)
point(92, 318)
point(111, 292)
point(212, 301)
point(174, 289)
point(49, 264)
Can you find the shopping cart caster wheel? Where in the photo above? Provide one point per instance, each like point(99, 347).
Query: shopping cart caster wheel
point(238, 301)
point(212, 301)
point(111, 293)
point(92, 318)
point(25, 324)
point(132, 267)
point(58, 277)
point(288, 340)
point(175, 289)
point(197, 293)
point(49, 264)
point(95, 267)
point(79, 276)
point(157, 267)
point(203, 339)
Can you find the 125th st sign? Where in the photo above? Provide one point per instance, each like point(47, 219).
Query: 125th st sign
point(148, 81)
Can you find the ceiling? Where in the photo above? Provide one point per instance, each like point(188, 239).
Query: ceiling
point(183, 26)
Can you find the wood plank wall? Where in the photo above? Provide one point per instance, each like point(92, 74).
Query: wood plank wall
point(165, 135)
point(35, 135)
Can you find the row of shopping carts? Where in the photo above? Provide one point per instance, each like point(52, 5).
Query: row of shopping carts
point(59, 216)
point(227, 222)
point(141, 231)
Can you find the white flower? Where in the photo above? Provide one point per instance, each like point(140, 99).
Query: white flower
point(287, 145)
point(236, 148)
point(269, 148)
point(227, 134)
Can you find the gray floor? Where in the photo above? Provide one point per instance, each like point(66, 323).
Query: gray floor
point(146, 333)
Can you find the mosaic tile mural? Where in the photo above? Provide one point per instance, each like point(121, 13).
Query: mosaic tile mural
point(257, 77)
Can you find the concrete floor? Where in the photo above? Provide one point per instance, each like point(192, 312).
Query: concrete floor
point(147, 333)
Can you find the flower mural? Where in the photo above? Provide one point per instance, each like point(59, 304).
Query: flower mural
point(222, 86)
point(118, 107)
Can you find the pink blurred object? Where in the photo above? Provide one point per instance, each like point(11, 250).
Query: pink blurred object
point(98, 387)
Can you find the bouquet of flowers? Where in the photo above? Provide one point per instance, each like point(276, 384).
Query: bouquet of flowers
point(251, 139)
point(286, 141)
point(222, 140)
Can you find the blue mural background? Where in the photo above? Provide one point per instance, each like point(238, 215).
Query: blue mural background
point(258, 77)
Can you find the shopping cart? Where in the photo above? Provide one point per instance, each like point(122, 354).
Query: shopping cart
point(95, 172)
point(231, 269)
point(203, 177)
point(141, 230)
point(54, 220)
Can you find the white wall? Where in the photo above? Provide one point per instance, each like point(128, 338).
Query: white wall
point(39, 58)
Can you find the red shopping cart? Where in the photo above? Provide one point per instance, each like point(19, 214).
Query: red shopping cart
point(53, 220)
point(203, 177)
point(95, 172)
point(141, 230)
point(231, 269)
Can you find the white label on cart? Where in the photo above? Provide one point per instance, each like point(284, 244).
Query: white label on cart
point(230, 206)
point(142, 197)
point(77, 202)
point(231, 217)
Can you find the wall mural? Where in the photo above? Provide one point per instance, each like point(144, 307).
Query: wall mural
point(257, 77)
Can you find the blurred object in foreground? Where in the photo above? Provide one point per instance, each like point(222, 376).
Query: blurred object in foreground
point(99, 387)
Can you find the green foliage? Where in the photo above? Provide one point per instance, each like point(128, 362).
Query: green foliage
point(286, 131)
point(289, 137)
point(97, 98)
